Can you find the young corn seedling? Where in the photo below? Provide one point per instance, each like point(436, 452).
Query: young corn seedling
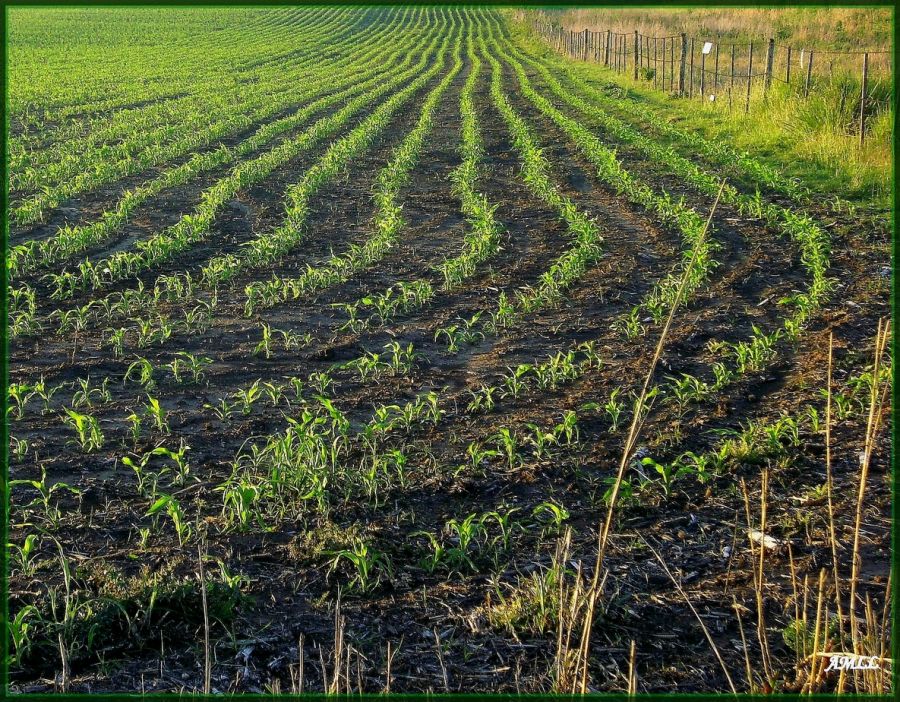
point(19, 393)
point(49, 509)
point(402, 359)
point(541, 440)
point(264, 346)
point(171, 507)
point(551, 516)
point(567, 428)
point(87, 430)
point(142, 369)
point(248, 396)
point(274, 392)
point(86, 395)
point(483, 399)
point(46, 393)
point(369, 567)
point(685, 390)
point(223, 410)
point(23, 556)
point(157, 414)
point(479, 455)
point(321, 382)
point(463, 332)
point(115, 339)
point(19, 448)
point(516, 380)
point(508, 446)
point(613, 409)
point(188, 366)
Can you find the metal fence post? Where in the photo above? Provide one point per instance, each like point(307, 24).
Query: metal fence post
point(749, 78)
point(862, 99)
point(808, 75)
point(681, 70)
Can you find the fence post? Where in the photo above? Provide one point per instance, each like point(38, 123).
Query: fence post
point(691, 91)
point(672, 65)
point(681, 69)
point(862, 99)
point(702, 75)
point(662, 73)
point(716, 75)
point(731, 84)
point(770, 62)
point(637, 57)
point(787, 73)
point(608, 37)
point(655, 63)
point(584, 53)
point(749, 78)
point(808, 74)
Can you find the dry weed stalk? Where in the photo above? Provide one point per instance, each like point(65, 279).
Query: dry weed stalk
point(687, 601)
point(637, 422)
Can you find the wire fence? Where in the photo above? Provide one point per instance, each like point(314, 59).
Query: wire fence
point(724, 73)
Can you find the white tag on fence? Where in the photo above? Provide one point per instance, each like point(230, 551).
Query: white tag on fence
point(707, 47)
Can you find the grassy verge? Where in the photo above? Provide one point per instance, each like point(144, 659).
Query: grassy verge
point(810, 139)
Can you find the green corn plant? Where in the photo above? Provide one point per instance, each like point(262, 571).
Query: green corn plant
point(551, 515)
point(466, 534)
point(297, 384)
point(157, 414)
point(506, 526)
point(86, 395)
point(274, 392)
point(321, 382)
point(248, 396)
point(402, 359)
point(182, 467)
point(20, 633)
point(613, 409)
point(136, 423)
point(508, 445)
point(115, 339)
point(478, 454)
point(185, 362)
point(87, 429)
point(45, 491)
point(264, 347)
point(567, 428)
point(369, 566)
point(46, 393)
point(223, 410)
point(516, 380)
point(239, 501)
point(483, 399)
point(19, 448)
point(629, 325)
point(171, 507)
point(19, 393)
point(541, 440)
point(24, 555)
point(143, 370)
